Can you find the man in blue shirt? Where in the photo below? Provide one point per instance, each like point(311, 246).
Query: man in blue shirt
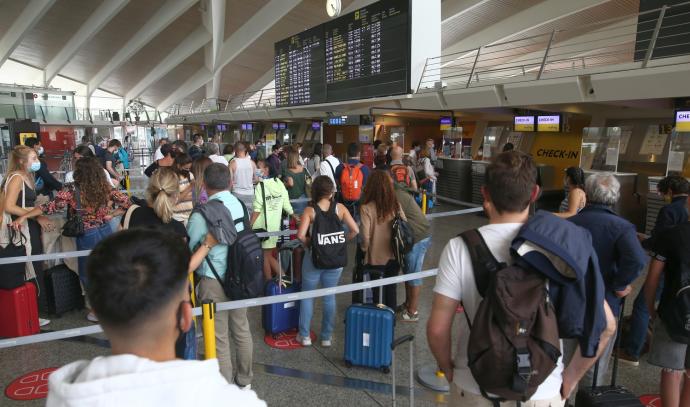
point(216, 181)
point(621, 257)
point(353, 160)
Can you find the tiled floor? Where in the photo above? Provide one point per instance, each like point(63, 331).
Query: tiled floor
point(304, 377)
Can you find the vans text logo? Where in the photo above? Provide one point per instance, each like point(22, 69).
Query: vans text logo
point(331, 238)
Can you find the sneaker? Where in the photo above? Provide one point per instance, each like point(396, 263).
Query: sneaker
point(91, 317)
point(326, 343)
point(401, 308)
point(406, 316)
point(628, 359)
point(245, 388)
point(304, 341)
point(43, 322)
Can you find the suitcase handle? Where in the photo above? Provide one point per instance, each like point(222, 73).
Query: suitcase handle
point(401, 340)
point(616, 349)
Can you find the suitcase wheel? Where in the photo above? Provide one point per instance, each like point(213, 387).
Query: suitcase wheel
point(385, 369)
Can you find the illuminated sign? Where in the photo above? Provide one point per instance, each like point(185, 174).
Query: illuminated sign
point(524, 123)
point(247, 126)
point(446, 122)
point(549, 123)
point(316, 125)
point(275, 125)
point(683, 120)
point(282, 126)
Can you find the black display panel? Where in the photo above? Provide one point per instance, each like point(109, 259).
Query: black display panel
point(364, 54)
point(299, 69)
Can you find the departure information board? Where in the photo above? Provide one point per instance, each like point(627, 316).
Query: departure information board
point(362, 54)
point(299, 72)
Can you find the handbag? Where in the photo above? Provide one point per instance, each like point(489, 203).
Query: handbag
point(403, 238)
point(13, 275)
point(307, 183)
point(74, 227)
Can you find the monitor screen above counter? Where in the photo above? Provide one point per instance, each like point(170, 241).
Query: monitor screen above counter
point(550, 123)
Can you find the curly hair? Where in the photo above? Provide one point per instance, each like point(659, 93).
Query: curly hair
point(94, 191)
point(379, 190)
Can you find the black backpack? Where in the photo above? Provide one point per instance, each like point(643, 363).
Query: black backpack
point(328, 246)
point(245, 263)
point(675, 311)
point(514, 344)
point(403, 239)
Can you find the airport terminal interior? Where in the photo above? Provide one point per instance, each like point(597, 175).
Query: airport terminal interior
point(597, 87)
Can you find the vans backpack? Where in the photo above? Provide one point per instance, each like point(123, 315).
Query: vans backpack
point(328, 247)
point(675, 311)
point(351, 180)
point(244, 277)
point(400, 175)
point(514, 343)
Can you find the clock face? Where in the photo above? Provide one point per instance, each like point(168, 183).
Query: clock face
point(333, 8)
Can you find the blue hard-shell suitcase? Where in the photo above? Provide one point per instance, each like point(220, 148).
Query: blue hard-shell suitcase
point(283, 316)
point(369, 331)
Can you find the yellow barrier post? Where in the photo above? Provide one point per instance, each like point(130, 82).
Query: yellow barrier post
point(424, 202)
point(208, 310)
point(127, 184)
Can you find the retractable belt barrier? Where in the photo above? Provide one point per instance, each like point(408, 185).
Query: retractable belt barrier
point(226, 306)
point(84, 253)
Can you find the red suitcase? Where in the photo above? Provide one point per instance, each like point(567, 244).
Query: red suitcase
point(19, 311)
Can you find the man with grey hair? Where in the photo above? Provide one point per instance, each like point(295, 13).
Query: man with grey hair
point(212, 149)
point(329, 164)
point(621, 256)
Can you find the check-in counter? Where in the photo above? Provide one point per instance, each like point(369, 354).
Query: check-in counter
point(629, 205)
point(454, 179)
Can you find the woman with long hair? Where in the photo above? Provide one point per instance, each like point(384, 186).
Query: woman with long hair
point(19, 198)
point(198, 167)
point(576, 199)
point(313, 165)
point(182, 167)
point(167, 161)
point(96, 203)
point(81, 152)
point(323, 192)
point(295, 180)
point(425, 170)
point(379, 208)
point(162, 196)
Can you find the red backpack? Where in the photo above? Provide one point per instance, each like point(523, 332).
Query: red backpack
point(401, 175)
point(351, 181)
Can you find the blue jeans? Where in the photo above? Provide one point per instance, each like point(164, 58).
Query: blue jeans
point(311, 277)
point(639, 322)
point(88, 241)
point(298, 207)
point(415, 259)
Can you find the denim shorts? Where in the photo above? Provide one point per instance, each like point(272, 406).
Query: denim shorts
point(415, 259)
point(665, 352)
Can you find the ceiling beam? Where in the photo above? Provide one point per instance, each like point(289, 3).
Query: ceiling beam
point(26, 20)
point(453, 9)
point(166, 15)
point(216, 24)
point(194, 41)
point(95, 23)
point(199, 79)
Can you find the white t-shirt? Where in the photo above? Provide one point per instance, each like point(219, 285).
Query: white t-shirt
point(456, 280)
point(218, 159)
point(69, 178)
point(326, 169)
point(157, 155)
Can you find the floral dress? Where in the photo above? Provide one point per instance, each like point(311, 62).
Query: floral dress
point(91, 217)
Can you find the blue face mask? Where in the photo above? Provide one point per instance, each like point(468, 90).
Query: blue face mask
point(35, 166)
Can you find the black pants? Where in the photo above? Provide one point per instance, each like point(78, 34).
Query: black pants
point(391, 269)
point(36, 249)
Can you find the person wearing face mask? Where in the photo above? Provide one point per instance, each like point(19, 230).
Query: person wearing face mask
point(243, 171)
point(46, 184)
point(162, 197)
point(416, 148)
point(140, 292)
point(182, 166)
point(19, 195)
point(432, 150)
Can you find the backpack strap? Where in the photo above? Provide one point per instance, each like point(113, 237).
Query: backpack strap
point(263, 197)
point(484, 264)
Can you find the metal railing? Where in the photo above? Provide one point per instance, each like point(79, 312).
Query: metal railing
point(51, 114)
point(626, 42)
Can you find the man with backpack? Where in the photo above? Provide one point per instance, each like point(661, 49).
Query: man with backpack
point(216, 181)
point(351, 178)
point(671, 335)
point(402, 174)
point(519, 360)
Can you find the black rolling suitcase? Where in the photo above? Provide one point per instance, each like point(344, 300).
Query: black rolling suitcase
point(608, 396)
point(63, 291)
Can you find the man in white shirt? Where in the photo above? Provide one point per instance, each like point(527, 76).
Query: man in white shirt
point(143, 312)
point(329, 164)
point(213, 154)
point(158, 154)
point(509, 189)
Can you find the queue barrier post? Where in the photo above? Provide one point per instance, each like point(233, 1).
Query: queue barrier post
point(208, 310)
point(424, 202)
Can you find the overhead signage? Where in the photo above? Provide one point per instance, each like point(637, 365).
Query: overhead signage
point(344, 120)
point(316, 125)
point(524, 123)
point(282, 126)
point(549, 123)
point(683, 120)
point(247, 126)
point(275, 125)
point(446, 122)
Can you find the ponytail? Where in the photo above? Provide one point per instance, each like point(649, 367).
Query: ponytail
point(162, 193)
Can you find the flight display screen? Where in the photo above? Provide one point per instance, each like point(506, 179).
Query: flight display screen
point(360, 55)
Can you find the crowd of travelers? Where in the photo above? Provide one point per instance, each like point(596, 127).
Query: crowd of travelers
point(581, 263)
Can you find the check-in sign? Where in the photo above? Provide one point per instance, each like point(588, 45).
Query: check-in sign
point(524, 123)
point(683, 120)
point(548, 123)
